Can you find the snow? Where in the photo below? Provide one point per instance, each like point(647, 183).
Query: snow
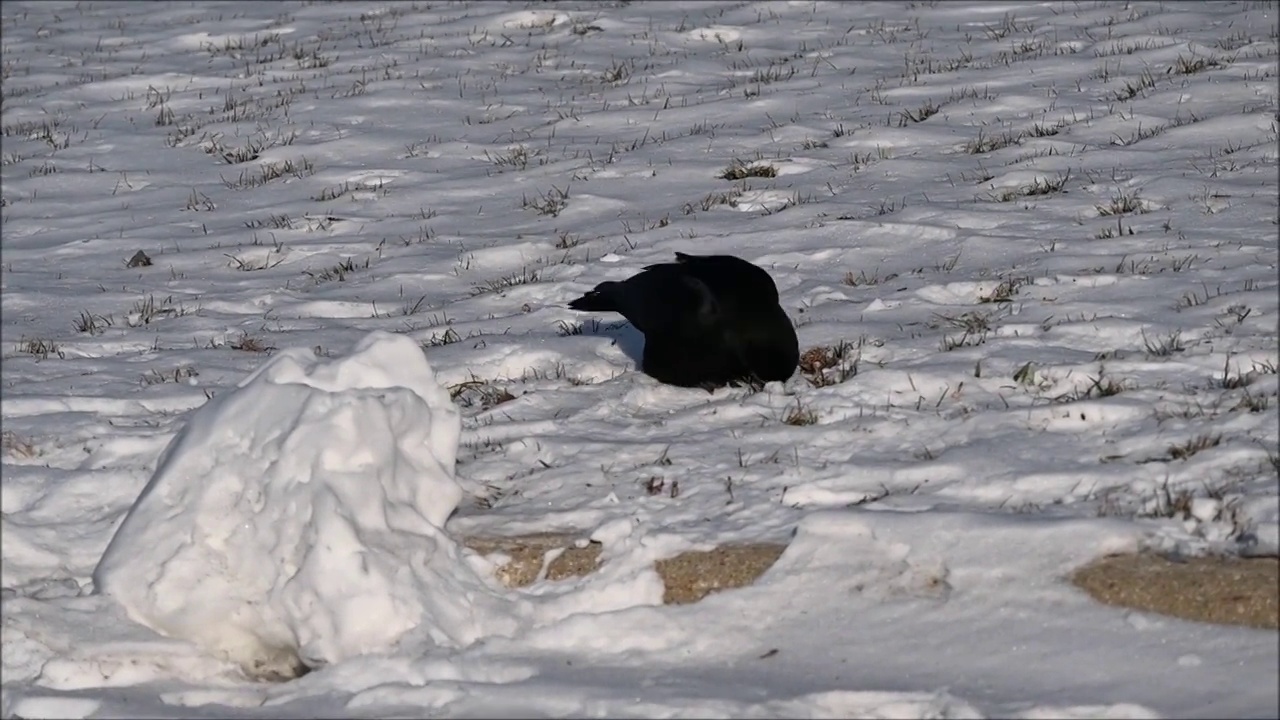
point(1043, 235)
point(296, 521)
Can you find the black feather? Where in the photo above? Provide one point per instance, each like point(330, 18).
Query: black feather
point(708, 321)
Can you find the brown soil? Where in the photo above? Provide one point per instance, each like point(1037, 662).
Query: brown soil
point(687, 577)
point(1234, 591)
point(527, 553)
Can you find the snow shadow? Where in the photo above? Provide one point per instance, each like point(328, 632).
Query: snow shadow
point(628, 339)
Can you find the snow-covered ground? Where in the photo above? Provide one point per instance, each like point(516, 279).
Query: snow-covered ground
point(1038, 240)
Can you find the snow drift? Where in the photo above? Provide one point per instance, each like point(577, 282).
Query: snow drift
point(297, 520)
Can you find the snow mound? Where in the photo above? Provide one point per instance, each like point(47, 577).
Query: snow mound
point(297, 520)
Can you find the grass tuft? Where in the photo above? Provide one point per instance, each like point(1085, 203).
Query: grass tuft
point(1122, 204)
point(1164, 347)
point(985, 143)
point(551, 203)
point(523, 276)
point(841, 359)
point(93, 323)
point(1195, 445)
point(739, 170)
point(249, 343)
point(800, 415)
point(338, 272)
point(40, 348)
point(1004, 291)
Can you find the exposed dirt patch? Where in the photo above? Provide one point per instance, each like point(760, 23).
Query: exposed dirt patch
point(576, 558)
point(1234, 591)
point(691, 576)
point(687, 577)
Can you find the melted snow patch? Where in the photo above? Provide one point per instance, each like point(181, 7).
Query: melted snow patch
point(296, 521)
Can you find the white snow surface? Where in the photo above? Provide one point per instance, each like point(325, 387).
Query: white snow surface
point(299, 516)
point(1042, 235)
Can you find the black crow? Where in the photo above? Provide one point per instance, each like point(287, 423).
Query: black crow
point(708, 321)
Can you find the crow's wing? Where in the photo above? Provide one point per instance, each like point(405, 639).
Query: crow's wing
point(704, 309)
point(660, 299)
point(734, 282)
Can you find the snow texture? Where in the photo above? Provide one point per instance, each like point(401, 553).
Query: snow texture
point(298, 518)
point(1029, 247)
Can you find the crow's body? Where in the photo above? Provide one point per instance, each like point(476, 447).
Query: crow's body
point(708, 321)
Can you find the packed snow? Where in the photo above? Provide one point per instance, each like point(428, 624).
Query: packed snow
point(296, 521)
point(284, 287)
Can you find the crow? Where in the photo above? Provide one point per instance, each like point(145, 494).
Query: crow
point(707, 320)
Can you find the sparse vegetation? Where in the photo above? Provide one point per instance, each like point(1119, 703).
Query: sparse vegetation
point(523, 276)
point(40, 348)
point(1041, 186)
point(591, 327)
point(337, 272)
point(1099, 387)
point(919, 114)
point(1194, 445)
point(1164, 347)
point(280, 221)
point(1188, 65)
point(180, 374)
point(1168, 501)
point(567, 240)
point(975, 324)
point(720, 198)
point(146, 310)
point(549, 203)
point(1005, 290)
point(739, 170)
point(333, 193)
point(516, 157)
point(800, 415)
point(248, 265)
point(1122, 204)
point(482, 393)
point(863, 279)
point(1252, 403)
point(447, 337)
point(93, 323)
point(250, 343)
point(985, 143)
point(1118, 230)
point(267, 172)
point(824, 365)
point(1133, 87)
